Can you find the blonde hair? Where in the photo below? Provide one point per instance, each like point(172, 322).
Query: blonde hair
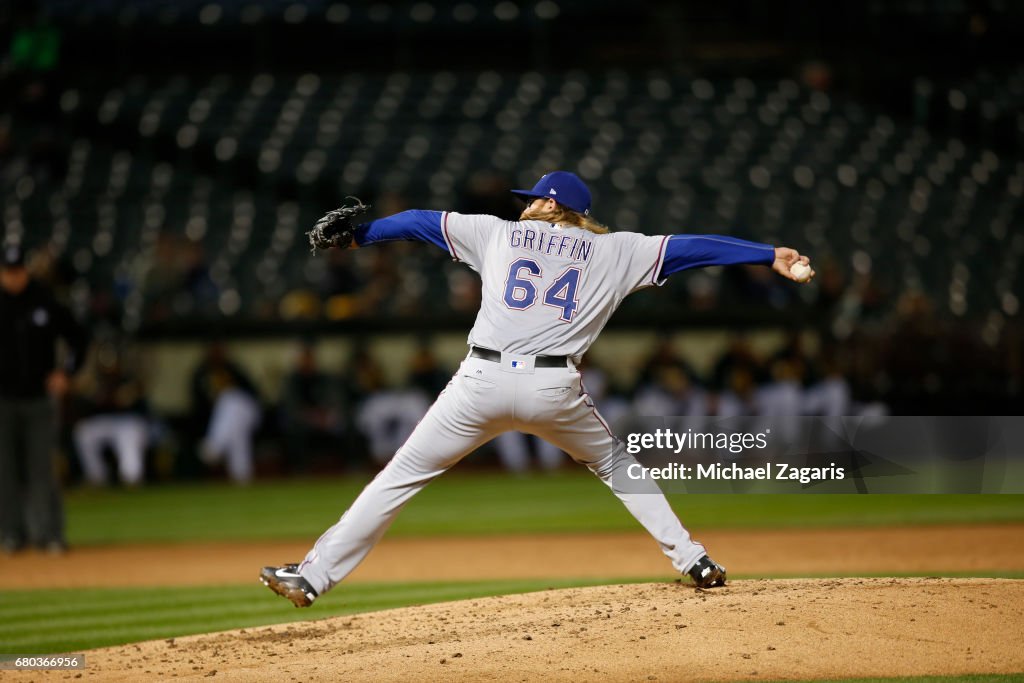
point(563, 216)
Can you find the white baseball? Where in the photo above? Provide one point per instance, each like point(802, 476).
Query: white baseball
point(801, 271)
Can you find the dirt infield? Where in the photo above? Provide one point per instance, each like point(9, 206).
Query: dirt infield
point(908, 550)
point(750, 630)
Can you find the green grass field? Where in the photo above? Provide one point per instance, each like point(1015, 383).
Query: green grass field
point(484, 504)
point(44, 622)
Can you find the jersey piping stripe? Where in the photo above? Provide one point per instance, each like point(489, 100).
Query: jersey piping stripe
point(589, 402)
point(660, 263)
point(315, 553)
point(723, 241)
point(600, 419)
point(447, 239)
point(766, 247)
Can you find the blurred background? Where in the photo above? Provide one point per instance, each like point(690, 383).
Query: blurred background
point(161, 160)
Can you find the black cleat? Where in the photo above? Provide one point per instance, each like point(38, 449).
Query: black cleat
point(288, 583)
point(707, 573)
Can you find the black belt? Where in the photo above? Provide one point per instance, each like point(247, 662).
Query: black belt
point(538, 362)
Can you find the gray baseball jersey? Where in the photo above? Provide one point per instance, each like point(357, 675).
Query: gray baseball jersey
point(549, 289)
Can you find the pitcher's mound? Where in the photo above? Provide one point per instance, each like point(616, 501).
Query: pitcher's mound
point(749, 630)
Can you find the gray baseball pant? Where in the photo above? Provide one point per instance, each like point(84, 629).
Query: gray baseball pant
point(483, 400)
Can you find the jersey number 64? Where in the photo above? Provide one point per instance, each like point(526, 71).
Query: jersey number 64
point(521, 288)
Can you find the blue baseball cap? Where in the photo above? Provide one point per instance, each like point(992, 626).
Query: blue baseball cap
point(565, 188)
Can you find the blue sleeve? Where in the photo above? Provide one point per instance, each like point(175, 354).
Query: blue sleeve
point(424, 226)
point(696, 251)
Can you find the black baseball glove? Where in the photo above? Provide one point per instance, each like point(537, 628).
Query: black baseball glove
point(337, 227)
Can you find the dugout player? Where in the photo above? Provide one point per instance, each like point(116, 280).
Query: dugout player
point(551, 281)
point(31, 383)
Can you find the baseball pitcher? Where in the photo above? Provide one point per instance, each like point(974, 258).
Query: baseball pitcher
point(551, 281)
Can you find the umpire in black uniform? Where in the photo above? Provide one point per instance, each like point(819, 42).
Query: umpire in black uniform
point(31, 510)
